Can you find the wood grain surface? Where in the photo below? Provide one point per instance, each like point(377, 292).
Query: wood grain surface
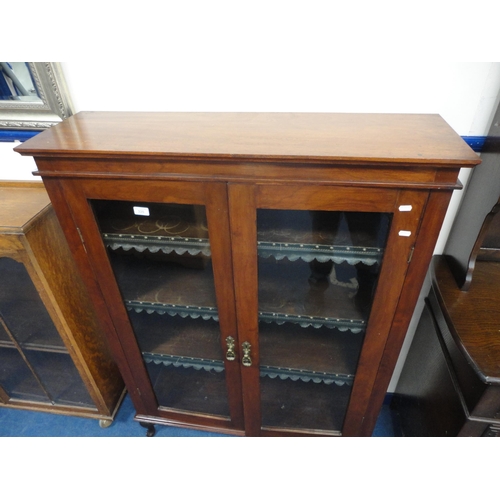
point(473, 316)
point(373, 138)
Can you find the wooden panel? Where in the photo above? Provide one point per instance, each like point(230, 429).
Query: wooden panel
point(428, 231)
point(478, 339)
point(288, 136)
point(152, 191)
point(62, 196)
point(439, 393)
point(245, 171)
point(299, 197)
point(19, 202)
point(79, 328)
point(390, 285)
point(11, 245)
point(242, 206)
point(220, 244)
point(425, 397)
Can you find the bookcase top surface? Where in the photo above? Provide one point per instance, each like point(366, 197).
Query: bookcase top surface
point(321, 137)
point(20, 203)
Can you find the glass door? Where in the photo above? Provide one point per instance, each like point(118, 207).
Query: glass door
point(317, 272)
point(319, 299)
point(162, 258)
point(34, 362)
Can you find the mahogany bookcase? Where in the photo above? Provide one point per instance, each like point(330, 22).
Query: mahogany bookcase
point(255, 273)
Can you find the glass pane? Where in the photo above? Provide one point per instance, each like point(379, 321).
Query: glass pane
point(317, 276)
point(160, 254)
point(60, 378)
point(16, 378)
point(35, 364)
point(22, 308)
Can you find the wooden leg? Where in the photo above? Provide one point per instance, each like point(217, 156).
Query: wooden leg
point(150, 427)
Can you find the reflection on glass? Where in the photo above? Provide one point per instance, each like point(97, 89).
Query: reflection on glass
point(34, 363)
point(317, 276)
point(160, 254)
point(16, 82)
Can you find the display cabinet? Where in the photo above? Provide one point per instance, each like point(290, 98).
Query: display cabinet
point(254, 273)
point(53, 355)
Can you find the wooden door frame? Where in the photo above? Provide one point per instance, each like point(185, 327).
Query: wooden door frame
point(90, 253)
point(244, 199)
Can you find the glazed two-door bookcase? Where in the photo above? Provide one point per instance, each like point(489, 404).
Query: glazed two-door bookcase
point(255, 273)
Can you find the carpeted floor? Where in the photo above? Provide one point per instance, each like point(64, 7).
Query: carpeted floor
point(22, 423)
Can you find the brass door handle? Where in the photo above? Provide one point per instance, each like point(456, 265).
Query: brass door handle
point(247, 360)
point(230, 354)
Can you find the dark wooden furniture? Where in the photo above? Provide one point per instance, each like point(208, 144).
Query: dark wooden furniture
point(255, 273)
point(450, 382)
point(53, 355)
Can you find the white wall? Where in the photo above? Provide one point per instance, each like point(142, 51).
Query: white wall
point(463, 93)
point(460, 92)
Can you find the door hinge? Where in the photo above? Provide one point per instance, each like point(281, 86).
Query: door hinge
point(411, 254)
point(81, 238)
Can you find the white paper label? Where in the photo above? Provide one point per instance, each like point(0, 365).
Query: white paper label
point(405, 208)
point(141, 211)
point(405, 233)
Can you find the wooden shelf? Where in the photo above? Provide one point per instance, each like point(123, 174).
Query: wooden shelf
point(287, 296)
point(166, 287)
point(164, 220)
point(322, 253)
point(189, 390)
point(316, 235)
point(287, 351)
point(173, 229)
point(303, 405)
point(290, 351)
point(177, 336)
point(154, 244)
point(279, 250)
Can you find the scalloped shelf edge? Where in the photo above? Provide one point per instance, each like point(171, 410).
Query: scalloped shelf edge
point(265, 371)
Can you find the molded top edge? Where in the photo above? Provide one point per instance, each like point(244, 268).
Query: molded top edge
point(323, 137)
